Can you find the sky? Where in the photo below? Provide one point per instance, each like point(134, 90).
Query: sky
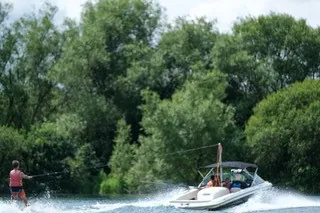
point(225, 11)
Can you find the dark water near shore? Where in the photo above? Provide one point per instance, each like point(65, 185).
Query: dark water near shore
point(273, 201)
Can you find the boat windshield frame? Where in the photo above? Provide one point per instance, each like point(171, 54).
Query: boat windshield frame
point(206, 178)
point(242, 167)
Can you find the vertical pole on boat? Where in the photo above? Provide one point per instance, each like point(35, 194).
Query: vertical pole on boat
point(220, 162)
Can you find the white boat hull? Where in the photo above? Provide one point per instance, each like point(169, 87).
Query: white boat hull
point(220, 202)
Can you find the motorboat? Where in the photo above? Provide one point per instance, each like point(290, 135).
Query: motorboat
point(238, 181)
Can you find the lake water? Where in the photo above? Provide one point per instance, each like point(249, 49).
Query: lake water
point(271, 201)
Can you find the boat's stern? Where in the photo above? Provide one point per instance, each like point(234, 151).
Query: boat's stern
point(212, 193)
point(200, 199)
point(190, 194)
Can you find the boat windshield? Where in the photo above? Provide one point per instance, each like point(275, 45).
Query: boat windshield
point(239, 176)
point(243, 175)
point(257, 180)
point(206, 179)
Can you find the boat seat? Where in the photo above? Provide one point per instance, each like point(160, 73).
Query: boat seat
point(232, 190)
point(238, 184)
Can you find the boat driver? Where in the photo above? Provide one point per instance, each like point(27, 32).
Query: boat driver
point(227, 183)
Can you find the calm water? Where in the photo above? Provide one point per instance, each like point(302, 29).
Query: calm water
point(270, 202)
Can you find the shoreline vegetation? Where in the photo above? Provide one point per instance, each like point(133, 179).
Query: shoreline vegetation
point(125, 89)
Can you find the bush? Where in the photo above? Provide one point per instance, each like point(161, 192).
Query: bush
point(112, 185)
point(11, 145)
point(84, 170)
point(284, 136)
point(49, 148)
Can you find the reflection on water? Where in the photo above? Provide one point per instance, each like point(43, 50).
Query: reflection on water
point(270, 201)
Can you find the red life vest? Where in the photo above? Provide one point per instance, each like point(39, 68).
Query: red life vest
point(15, 178)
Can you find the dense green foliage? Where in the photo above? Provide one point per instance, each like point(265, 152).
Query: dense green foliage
point(195, 116)
point(112, 101)
point(121, 160)
point(11, 148)
point(284, 135)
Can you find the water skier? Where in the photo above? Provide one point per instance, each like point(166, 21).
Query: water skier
point(16, 177)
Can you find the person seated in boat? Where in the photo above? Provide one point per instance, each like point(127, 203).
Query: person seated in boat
point(15, 184)
point(213, 181)
point(227, 183)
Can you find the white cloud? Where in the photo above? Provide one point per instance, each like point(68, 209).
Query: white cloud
point(175, 8)
point(67, 8)
point(70, 8)
point(226, 11)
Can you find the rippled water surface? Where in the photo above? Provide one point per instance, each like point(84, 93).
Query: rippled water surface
point(269, 201)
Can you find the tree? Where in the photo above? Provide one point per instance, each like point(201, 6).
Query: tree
point(84, 171)
point(121, 160)
point(283, 40)
point(265, 54)
point(194, 117)
point(12, 144)
point(283, 135)
point(29, 48)
point(48, 150)
point(112, 36)
point(249, 80)
point(122, 155)
point(4, 11)
point(183, 45)
point(165, 66)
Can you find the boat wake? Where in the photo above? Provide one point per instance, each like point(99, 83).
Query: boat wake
point(269, 201)
point(37, 207)
point(158, 200)
point(49, 205)
point(274, 199)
